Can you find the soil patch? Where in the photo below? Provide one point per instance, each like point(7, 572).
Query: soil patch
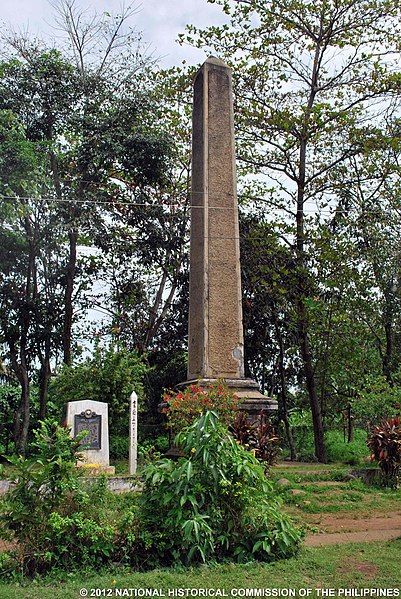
point(338, 529)
point(6, 545)
point(324, 483)
point(367, 568)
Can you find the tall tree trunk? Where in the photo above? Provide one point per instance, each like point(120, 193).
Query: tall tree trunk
point(350, 424)
point(44, 378)
point(320, 450)
point(22, 413)
point(388, 317)
point(20, 367)
point(283, 391)
point(25, 409)
point(69, 289)
point(303, 325)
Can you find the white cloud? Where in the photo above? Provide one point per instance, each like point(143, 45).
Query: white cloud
point(160, 20)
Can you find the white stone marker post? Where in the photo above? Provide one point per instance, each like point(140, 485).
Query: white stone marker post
point(133, 433)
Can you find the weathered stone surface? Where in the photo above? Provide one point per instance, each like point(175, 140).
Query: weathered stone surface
point(283, 482)
point(116, 484)
point(215, 315)
point(215, 340)
point(5, 486)
point(77, 413)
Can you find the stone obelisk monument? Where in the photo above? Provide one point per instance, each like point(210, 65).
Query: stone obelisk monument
point(215, 344)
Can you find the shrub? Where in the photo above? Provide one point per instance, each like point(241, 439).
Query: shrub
point(48, 513)
point(258, 436)
point(385, 445)
point(377, 400)
point(10, 397)
point(183, 407)
point(152, 449)
point(214, 503)
point(352, 453)
point(109, 376)
point(119, 447)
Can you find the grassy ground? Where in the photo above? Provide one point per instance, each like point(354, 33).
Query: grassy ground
point(315, 490)
point(374, 565)
point(310, 493)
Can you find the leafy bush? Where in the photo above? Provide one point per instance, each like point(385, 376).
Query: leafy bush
point(109, 376)
point(258, 436)
point(352, 453)
point(377, 401)
point(213, 504)
point(119, 447)
point(48, 513)
point(385, 445)
point(183, 407)
point(337, 449)
point(151, 449)
point(10, 396)
point(302, 431)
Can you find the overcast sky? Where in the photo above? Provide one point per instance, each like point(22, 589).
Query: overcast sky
point(159, 20)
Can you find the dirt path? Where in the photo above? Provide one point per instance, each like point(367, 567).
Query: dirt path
point(355, 530)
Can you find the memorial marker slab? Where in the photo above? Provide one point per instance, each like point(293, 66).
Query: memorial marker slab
point(91, 416)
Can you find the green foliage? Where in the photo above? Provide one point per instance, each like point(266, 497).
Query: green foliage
point(168, 367)
point(385, 444)
point(301, 428)
point(9, 398)
point(55, 522)
point(377, 400)
point(151, 449)
point(338, 449)
point(215, 503)
point(18, 159)
point(70, 132)
point(352, 453)
point(110, 375)
point(119, 447)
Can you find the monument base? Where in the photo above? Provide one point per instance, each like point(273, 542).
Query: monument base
point(252, 400)
point(95, 469)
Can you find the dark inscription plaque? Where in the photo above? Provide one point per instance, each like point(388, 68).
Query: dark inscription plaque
point(91, 422)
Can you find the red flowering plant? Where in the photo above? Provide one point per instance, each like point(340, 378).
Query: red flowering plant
point(182, 408)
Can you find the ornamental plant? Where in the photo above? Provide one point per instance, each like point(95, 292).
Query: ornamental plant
point(215, 503)
point(385, 444)
point(183, 407)
point(258, 436)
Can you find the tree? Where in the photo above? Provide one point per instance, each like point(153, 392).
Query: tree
point(83, 126)
point(24, 252)
point(269, 319)
point(109, 375)
point(144, 255)
point(309, 78)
